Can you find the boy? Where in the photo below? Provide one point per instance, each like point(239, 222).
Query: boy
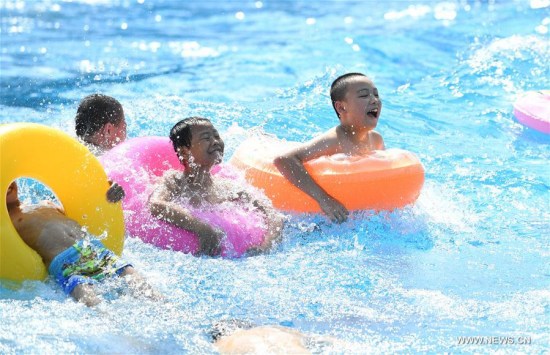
point(72, 258)
point(199, 147)
point(100, 123)
point(357, 104)
point(256, 340)
point(235, 336)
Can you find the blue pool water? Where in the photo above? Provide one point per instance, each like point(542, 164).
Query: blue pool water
point(470, 258)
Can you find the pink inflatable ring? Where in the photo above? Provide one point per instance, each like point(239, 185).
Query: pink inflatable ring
point(138, 164)
point(532, 109)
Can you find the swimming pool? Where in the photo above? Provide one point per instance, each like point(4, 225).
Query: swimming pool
point(469, 259)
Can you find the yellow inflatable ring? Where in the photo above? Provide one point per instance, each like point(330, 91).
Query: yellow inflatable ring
point(75, 176)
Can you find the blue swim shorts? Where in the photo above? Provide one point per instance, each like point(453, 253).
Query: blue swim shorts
point(86, 262)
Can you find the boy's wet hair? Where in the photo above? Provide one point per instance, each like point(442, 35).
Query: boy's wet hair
point(227, 327)
point(180, 134)
point(94, 112)
point(339, 88)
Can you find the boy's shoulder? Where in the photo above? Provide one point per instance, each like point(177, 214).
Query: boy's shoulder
point(377, 140)
point(172, 174)
point(326, 143)
point(329, 137)
point(348, 141)
point(173, 178)
point(375, 134)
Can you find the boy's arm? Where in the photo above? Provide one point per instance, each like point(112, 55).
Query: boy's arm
point(162, 207)
point(273, 218)
point(291, 166)
point(378, 141)
point(115, 192)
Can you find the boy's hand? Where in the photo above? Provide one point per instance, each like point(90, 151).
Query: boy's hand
point(115, 192)
point(334, 209)
point(210, 242)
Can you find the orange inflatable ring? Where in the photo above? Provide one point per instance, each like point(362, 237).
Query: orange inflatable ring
point(385, 180)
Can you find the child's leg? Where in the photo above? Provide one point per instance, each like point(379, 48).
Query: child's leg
point(85, 293)
point(138, 285)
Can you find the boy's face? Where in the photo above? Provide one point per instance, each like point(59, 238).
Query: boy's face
point(112, 134)
point(361, 105)
point(206, 145)
point(119, 131)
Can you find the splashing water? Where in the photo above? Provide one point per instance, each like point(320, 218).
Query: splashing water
point(468, 259)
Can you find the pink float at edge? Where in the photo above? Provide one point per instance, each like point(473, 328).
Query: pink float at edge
point(137, 165)
point(533, 110)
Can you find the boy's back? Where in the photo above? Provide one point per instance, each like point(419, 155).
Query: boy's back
point(43, 227)
point(74, 262)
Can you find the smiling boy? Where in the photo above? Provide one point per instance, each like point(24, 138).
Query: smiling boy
point(357, 104)
point(199, 147)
